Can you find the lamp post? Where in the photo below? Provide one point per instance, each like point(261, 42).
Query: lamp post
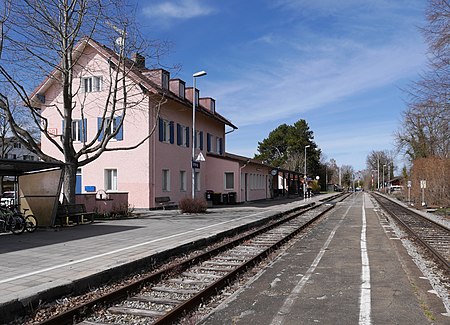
point(383, 179)
point(194, 102)
point(304, 183)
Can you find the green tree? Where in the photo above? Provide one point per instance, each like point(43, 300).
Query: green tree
point(285, 148)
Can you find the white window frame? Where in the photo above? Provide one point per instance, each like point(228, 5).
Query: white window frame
point(226, 179)
point(110, 175)
point(217, 145)
point(166, 131)
point(165, 184)
point(110, 130)
point(197, 139)
point(92, 84)
point(76, 134)
point(183, 181)
point(184, 139)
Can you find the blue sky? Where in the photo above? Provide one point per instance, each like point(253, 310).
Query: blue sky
point(340, 65)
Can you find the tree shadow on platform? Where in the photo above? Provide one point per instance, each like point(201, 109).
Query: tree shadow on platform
point(51, 236)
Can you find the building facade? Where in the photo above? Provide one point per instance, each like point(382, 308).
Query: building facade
point(161, 165)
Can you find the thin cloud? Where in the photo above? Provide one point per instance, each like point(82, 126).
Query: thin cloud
point(182, 9)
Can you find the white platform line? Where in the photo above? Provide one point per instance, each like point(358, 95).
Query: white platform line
point(364, 299)
point(54, 267)
point(290, 300)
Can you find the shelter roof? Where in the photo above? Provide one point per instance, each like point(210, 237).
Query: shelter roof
point(12, 167)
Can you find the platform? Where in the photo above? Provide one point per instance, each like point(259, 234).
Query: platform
point(56, 261)
point(350, 269)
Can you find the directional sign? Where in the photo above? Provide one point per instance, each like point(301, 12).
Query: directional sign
point(195, 164)
point(423, 184)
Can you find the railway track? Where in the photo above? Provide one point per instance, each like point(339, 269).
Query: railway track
point(166, 296)
point(435, 238)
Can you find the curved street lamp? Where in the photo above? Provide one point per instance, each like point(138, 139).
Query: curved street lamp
point(194, 104)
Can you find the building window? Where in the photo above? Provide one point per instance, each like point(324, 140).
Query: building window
point(79, 130)
point(14, 156)
point(111, 179)
point(197, 94)
point(182, 90)
point(17, 145)
point(182, 135)
point(199, 140)
point(91, 84)
point(165, 80)
point(218, 148)
point(213, 106)
point(166, 131)
point(182, 180)
point(109, 129)
point(197, 181)
point(166, 180)
point(229, 181)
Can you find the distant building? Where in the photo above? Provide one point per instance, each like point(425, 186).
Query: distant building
point(11, 148)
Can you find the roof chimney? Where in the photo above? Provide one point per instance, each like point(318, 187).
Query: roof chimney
point(139, 60)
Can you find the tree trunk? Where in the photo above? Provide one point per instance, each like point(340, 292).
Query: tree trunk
point(69, 185)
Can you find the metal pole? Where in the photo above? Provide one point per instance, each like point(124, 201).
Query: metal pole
point(194, 97)
point(305, 178)
point(193, 137)
point(378, 172)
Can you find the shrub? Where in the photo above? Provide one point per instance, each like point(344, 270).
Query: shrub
point(188, 205)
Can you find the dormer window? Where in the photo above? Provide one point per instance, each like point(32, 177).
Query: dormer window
point(197, 95)
point(182, 90)
point(165, 80)
point(91, 84)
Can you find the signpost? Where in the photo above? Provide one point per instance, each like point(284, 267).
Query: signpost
point(409, 192)
point(423, 186)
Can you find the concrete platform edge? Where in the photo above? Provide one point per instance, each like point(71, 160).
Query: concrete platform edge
point(19, 307)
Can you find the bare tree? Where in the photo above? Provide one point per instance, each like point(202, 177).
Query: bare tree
point(45, 40)
point(425, 129)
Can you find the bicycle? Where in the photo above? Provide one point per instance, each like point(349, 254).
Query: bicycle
point(30, 220)
point(10, 221)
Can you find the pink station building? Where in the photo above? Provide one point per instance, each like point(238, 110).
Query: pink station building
point(161, 166)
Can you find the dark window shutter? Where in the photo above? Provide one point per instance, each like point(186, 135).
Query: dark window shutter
point(172, 132)
point(187, 137)
point(161, 130)
point(179, 135)
point(208, 142)
point(99, 127)
point(201, 140)
point(220, 146)
point(119, 135)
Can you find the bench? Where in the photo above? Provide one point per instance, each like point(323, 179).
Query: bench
point(164, 201)
point(73, 213)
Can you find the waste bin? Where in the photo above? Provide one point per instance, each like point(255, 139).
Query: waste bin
point(209, 198)
point(217, 198)
point(232, 198)
point(225, 198)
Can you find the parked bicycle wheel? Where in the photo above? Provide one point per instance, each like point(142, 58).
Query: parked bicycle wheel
point(17, 225)
point(30, 223)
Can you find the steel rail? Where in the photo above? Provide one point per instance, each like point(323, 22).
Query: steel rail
point(190, 304)
point(80, 311)
point(438, 256)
